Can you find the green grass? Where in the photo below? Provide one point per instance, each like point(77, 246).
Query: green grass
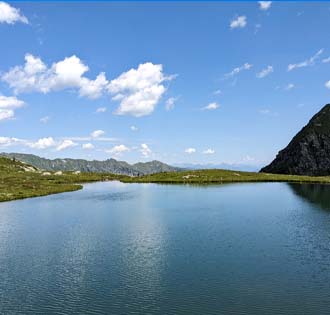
point(19, 180)
point(18, 183)
point(222, 176)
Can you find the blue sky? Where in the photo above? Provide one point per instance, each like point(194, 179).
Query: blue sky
point(181, 82)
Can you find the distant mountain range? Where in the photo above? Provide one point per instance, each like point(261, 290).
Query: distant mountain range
point(224, 166)
point(308, 153)
point(108, 166)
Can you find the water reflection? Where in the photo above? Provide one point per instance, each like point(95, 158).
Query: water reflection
point(316, 194)
point(129, 249)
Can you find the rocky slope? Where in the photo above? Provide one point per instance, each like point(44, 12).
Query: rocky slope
point(308, 153)
point(108, 166)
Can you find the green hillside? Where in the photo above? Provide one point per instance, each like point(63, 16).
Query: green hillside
point(19, 180)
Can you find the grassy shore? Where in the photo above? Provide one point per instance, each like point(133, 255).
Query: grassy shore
point(19, 180)
point(215, 176)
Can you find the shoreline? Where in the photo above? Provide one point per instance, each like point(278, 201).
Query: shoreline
point(55, 184)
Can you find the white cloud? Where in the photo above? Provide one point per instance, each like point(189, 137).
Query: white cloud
point(93, 88)
point(101, 110)
point(170, 103)
point(211, 106)
point(326, 60)
point(145, 150)
point(139, 90)
point(217, 92)
point(10, 102)
point(35, 76)
point(6, 114)
point(88, 146)
point(264, 72)
point(239, 22)
point(7, 106)
point(237, 70)
point(134, 128)
point(306, 63)
point(208, 151)
point(327, 84)
point(11, 15)
point(45, 119)
point(265, 5)
point(97, 133)
point(65, 144)
point(6, 141)
point(289, 87)
point(190, 150)
point(118, 149)
point(42, 143)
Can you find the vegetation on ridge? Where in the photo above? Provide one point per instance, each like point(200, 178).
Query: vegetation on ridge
point(219, 176)
point(19, 180)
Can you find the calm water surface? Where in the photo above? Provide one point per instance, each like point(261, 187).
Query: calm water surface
point(116, 248)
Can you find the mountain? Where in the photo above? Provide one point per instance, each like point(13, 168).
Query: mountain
point(308, 153)
point(108, 166)
point(223, 166)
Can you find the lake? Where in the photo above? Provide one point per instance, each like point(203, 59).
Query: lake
point(114, 248)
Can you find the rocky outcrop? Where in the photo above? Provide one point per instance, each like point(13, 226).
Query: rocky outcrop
point(308, 153)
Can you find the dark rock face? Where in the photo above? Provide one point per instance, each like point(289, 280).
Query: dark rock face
point(308, 153)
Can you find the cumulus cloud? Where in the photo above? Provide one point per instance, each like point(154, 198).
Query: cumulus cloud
point(145, 150)
point(11, 15)
point(42, 143)
point(211, 106)
point(237, 70)
point(65, 144)
point(97, 133)
point(10, 102)
point(170, 103)
point(208, 151)
point(35, 76)
point(118, 149)
point(101, 110)
point(88, 146)
point(138, 91)
point(190, 150)
point(265, 5)
point(327, 84)
point(93, 88)
point(306, 63)
point(7, 106)
point(238, 22)
point(7, 141)
point(6, 114)
point(134, 128)
point(265, 72)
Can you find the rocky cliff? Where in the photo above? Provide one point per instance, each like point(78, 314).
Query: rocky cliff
point(308, 153)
